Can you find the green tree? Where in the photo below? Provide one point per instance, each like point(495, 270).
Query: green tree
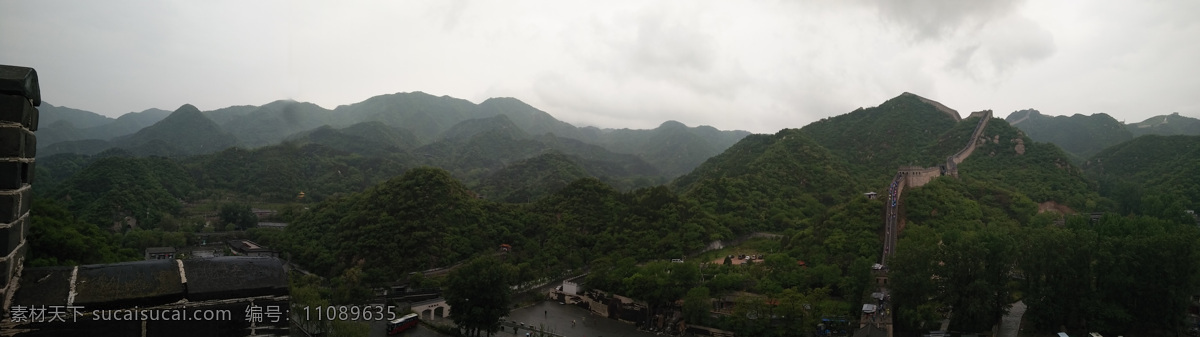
point(239, 215)
point(696, 305)
point(480, 294)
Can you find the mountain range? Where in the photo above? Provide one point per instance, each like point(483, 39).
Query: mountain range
point(407, 121)
point(507, 150)
point(363, 204)
point(1086, 135)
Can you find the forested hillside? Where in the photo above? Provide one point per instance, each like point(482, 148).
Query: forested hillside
point(1043, 172)
point(1152, 174)
point(875, 141)
point(403, 120)
point(1084, 136)
point(61, 124)
point(366, 138)
point(770, 182)
point(426, 219)
point(369, 203)
point(1166, 125)
point(1081, 136)
point(529, 179)
point(185, 132)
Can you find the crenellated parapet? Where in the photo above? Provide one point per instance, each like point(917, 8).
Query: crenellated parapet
point(19, 97)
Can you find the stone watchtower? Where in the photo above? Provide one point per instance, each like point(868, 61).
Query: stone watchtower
point(19, 97)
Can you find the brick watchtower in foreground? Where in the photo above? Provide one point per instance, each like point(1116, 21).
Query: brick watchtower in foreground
point(19, 98)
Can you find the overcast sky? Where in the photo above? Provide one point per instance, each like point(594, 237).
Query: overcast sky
point(752, 65)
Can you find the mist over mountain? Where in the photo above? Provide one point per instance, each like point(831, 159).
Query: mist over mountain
point(82, 119)
point(1166, 125)
point(365, 138)
point(185, 132)
point(271, 123)
point(60, 124)
point(1083, 136)
point(405, 121)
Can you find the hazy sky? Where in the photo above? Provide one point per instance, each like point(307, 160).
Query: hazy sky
point(752, 65)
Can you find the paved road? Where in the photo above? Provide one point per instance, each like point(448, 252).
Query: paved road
point(557, 318)
point(1010, 325)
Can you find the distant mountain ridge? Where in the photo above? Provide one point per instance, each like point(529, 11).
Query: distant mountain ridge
point(1079, 135)
point(1086, 135)
point(62, 124)
point(184, 132)
point(1166, 125)
point(423, 119)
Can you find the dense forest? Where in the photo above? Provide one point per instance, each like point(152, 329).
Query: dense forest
point(369, 204)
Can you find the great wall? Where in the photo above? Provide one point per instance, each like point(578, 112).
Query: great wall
point(877, 317)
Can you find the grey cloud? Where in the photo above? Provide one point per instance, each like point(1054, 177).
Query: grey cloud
point(997, 49)
point(962, 58)
point(659, 44)
point(1021, 41)
point(665, 46)
point(454, 14)
point(934, 19)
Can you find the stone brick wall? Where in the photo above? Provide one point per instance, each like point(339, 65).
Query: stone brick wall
point(917, 176)
point(985, 116)
point(19, 98)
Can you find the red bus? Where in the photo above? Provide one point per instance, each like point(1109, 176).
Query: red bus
point(401, 324)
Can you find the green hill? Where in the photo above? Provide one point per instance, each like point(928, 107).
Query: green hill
point(876, 141)
point(425, 115)
point(426, 219)
point(531, 179)
point(1081, 136)
point(472, 127)
point(1150, 172)
point(186, 131)
point(421, 220)
point(82, 119)
point(271, 123)
point(280, 172)
point(80, 147)
point(60, 124)
point(1166, 125)
point(477, 148)
point(528, 118)
point(770, 182)
point(674, 148)
point(603, 163)
point(1005, 157)
point(363, 138)
point(110, 188)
